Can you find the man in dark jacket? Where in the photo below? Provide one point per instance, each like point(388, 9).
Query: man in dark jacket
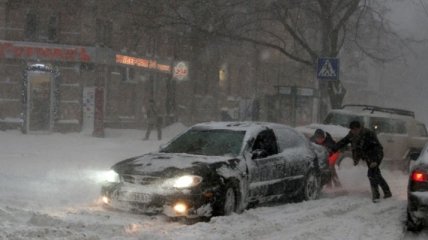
point(367, 147)
point(324, 139)
point(153, 120)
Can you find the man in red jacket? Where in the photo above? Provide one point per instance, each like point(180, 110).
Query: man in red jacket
point(324, 138)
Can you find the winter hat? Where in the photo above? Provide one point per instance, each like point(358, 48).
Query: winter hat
point(354, 125)
point(319, 133)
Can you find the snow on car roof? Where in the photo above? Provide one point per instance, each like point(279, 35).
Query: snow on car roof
point(335, 130)
point(365, 112)
point(239, 126)
point(251, 128)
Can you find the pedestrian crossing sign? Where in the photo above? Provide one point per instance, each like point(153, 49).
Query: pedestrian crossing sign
point(328, 69)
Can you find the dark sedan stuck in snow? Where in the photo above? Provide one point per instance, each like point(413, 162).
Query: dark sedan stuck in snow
point(218, 168)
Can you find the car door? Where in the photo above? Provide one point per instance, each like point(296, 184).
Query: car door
point(267, 171)
point(392, 134)
point(296, 155)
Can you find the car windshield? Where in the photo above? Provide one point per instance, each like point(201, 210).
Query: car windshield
point(207, 142)
point(341, 119)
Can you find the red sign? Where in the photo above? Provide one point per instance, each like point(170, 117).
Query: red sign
point(75, 54)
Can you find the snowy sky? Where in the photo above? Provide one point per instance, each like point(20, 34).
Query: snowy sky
point(408, 82)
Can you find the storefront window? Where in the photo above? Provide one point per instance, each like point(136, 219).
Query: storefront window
point(104, 32)
point(31, 25)
point(53, 28)
point(128, 75)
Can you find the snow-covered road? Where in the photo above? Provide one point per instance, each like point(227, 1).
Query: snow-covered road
point(48, 190)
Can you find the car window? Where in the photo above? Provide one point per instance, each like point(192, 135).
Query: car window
point(207, 142)
point(287, 138)
point(266, 141)
point(342, 119)
point(387, 125)
point(424, 155)
point(421, 130)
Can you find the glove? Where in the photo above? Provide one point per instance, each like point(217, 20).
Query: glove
point(373, 164)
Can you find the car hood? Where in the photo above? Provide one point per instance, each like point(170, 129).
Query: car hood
point(152, 163)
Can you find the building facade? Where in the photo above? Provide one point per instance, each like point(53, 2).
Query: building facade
point(87, 64)
point(56, 55)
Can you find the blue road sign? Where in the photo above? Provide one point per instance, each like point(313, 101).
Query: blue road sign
point(328, 69)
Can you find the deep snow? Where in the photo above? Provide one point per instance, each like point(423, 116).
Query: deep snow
point(49, 190)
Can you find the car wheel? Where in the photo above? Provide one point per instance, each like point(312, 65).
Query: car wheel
point(312, 187)
point(229, 205)
point(413, 224)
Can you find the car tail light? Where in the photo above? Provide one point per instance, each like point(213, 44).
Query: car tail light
point(419, 176)
point(419, 181)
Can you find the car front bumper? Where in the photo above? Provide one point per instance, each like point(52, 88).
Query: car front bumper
point(152, 199)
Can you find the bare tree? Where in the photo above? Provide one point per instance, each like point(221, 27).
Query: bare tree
point(302, 30)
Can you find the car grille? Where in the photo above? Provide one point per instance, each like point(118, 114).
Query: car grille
point(138, 179)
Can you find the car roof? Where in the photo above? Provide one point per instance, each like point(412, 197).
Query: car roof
point(373, 108)
point(370, 113)
point(239, 126)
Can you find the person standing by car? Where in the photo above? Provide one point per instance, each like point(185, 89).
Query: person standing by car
point(324, 139)
point(153, 120)
point(367, 147)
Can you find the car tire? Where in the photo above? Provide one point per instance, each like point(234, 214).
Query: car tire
point(413, 224)
point(228, 201)
point(312, 186)
point(229, 205)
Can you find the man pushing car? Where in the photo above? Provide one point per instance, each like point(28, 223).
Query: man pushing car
point(366, 146)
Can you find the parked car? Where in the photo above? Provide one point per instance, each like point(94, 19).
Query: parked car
point(218, 168)
point(417, 192)
point(398, 131)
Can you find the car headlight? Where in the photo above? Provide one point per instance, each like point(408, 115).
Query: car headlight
point(110, 176)
point(187, 181)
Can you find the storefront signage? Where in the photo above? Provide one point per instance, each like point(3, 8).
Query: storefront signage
point(181, 71)
point(142, 62)
point(56, 53)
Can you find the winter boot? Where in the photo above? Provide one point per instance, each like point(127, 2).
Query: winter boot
point(375, 193)
point(387, 195)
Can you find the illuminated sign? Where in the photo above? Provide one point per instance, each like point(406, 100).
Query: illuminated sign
point(143, 63)
point(181, 71)
point(57, 53)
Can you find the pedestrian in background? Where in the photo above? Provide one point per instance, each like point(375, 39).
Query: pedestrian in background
point(153, 120)
point(324, 139)
point(366, 146)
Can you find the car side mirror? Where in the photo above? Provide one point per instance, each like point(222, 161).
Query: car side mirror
point(258, 153)
point(414, 156)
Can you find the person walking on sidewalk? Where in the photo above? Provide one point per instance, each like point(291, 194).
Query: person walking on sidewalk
point(366, 146)
point(153, 120)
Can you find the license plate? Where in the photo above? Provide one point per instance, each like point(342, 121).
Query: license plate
point(134, 197)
